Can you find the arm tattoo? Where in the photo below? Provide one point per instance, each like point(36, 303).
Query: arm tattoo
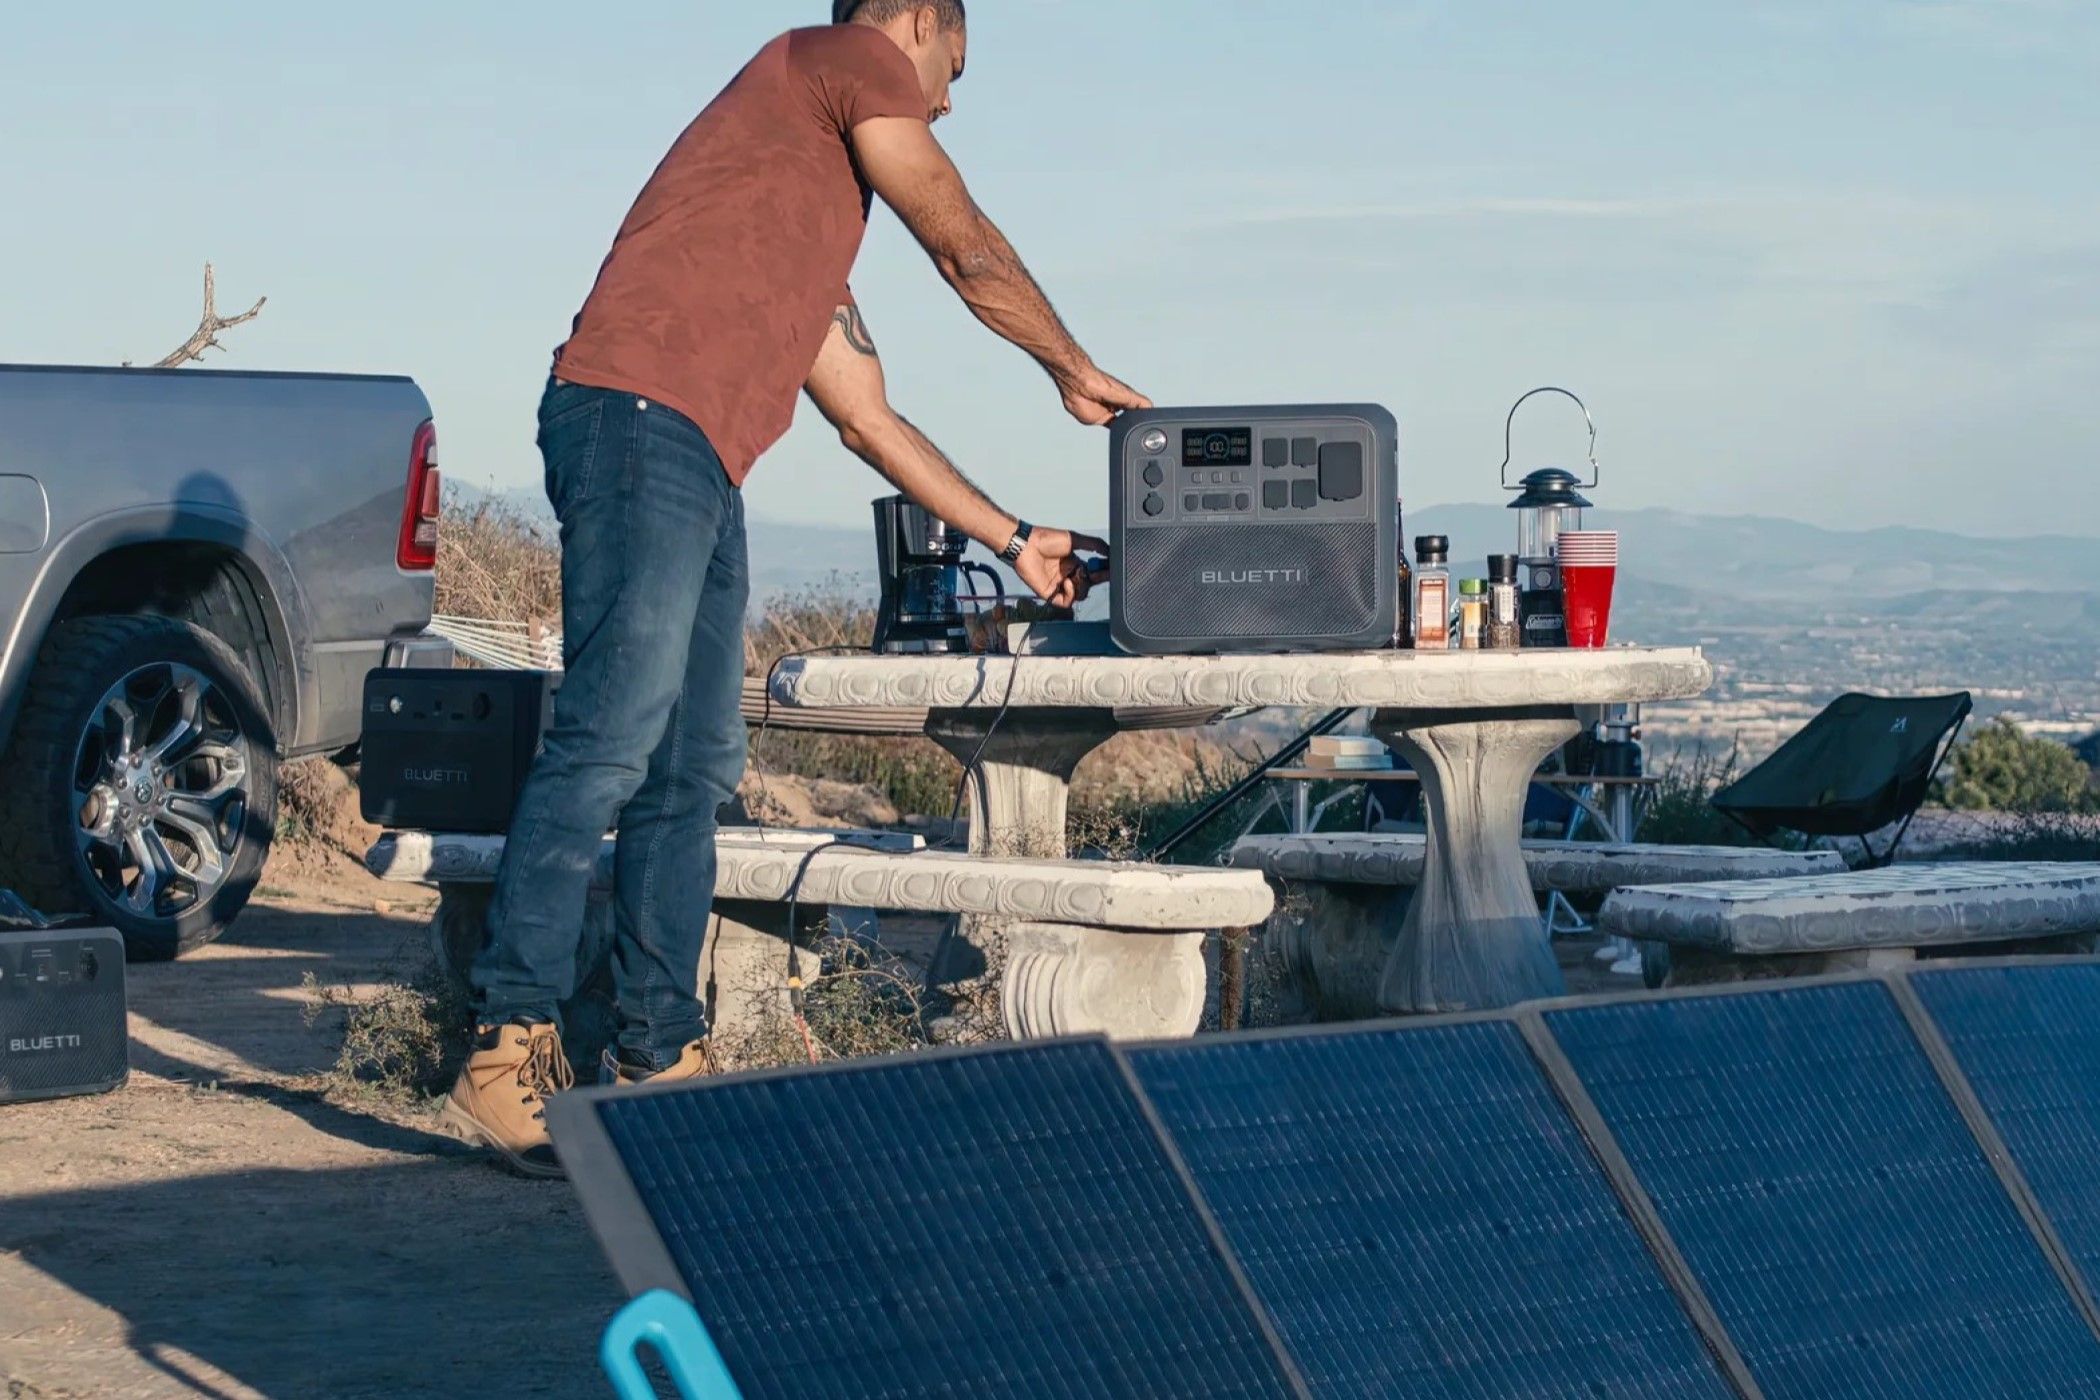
point(847, 318)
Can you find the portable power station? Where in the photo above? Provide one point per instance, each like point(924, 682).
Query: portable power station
point(1255, 529)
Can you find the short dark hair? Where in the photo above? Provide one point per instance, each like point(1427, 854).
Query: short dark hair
point(952, 13)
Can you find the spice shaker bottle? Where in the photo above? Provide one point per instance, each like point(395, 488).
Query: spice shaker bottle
point(1432, 593)
point(1505, 630)
point(1472, 612)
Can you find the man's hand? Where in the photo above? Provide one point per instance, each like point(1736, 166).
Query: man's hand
point(1095, 398)
point(1051, 566)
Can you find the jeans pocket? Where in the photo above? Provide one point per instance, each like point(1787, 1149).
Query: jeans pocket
point(569, 447)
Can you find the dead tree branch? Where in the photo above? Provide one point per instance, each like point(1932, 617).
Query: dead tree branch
point(206, 336)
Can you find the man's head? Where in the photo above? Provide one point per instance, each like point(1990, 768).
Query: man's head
point(934, 35)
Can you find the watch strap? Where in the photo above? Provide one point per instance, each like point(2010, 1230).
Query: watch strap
point(1023, 531)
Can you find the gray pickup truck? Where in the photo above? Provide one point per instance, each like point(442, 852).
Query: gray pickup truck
point(197, 569)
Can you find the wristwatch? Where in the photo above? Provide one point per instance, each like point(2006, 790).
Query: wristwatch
point(1023, 531)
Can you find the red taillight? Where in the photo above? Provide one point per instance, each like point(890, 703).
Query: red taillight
point(418, 550)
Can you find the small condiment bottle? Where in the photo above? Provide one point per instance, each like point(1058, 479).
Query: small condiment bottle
point(1432, 593)
point(1505, 628)
point(1472, 612)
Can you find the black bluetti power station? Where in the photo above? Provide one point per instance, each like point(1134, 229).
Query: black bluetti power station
point(1255, 529)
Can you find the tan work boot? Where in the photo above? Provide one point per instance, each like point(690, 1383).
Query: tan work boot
point(501, 1098)
point(694, 1062)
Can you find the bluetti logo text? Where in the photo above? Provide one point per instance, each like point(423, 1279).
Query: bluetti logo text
point(436, 777)
point(22, 1045)
point(1227, 578)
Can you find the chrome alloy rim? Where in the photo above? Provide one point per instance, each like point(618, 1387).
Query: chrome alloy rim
point(160, 789)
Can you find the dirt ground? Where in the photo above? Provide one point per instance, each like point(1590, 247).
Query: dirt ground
point(218, 1228)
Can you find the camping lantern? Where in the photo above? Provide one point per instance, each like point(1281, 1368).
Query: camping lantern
point(1550, 503)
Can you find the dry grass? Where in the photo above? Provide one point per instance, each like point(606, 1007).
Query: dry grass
point(404, 1041)
point(495, 562)
point(863, 1002)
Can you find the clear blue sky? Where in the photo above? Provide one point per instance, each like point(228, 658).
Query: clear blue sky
point(1834, 259)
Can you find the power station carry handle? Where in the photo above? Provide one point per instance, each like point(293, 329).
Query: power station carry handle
point(1509, 449)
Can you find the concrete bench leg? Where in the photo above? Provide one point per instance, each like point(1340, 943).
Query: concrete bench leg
point(1015, 979)
point(1060, 979)
point(743, 971)
point(1323, 953)
point(1472, 939)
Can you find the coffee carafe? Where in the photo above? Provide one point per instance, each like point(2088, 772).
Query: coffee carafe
point(1552, 503)
point(920, 559)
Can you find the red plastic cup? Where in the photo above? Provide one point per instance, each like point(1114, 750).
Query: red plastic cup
point(1589, 572)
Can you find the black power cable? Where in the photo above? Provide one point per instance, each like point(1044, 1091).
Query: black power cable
point(1160, 850)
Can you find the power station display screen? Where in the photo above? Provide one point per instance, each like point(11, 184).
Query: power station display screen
point(1217, 447)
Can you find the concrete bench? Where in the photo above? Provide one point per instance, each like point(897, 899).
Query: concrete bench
point(1323, 952)
point(1076, 947)
point(1872, 918)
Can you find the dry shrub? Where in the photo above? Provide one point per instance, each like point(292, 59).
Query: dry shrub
point(832, 617)
point(402, 1043)
point(497, 562)
point(2026, 836)
point(1680, 810)
point(862, 1001)
point(320, 831)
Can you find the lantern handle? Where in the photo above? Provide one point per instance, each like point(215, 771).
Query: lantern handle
point(1509, 438)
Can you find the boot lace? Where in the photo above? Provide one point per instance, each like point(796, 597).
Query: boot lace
point(545, 1073)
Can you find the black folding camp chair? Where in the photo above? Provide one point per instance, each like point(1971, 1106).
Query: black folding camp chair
point(1864, 764)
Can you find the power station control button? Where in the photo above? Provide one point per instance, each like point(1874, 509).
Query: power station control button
point(1305, 451)
point(1242, 501)
point(1275, 495)
point(1275, 452)
point(1155, 504)
point(1305, 493)
point(1217, 501)
point(1341, 471)
point(1192, 501)
point(1153, 475)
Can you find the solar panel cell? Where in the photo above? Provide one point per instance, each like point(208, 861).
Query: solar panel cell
point(2028, 1040)
point(989, 1224)
point(1828, 1195)
point(1421, 1218)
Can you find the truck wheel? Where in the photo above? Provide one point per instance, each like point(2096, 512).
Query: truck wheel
point(141, 785)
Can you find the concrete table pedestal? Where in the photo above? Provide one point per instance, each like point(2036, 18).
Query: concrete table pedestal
point(1471, 939)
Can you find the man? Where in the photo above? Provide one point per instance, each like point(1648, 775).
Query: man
point(725, 293)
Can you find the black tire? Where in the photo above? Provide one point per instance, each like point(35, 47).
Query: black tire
point(61, 733)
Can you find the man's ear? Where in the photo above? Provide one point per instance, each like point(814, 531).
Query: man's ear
point(926, 25)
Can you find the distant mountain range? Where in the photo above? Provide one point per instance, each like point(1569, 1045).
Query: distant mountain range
point(1723, 561)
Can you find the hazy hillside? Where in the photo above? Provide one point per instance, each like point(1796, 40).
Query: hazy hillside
point(1722, 557)
point(1764, 557)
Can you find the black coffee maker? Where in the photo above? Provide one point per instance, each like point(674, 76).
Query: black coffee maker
point(922, 568)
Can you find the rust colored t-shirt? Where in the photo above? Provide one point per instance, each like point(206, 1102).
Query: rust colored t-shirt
point(720, 288)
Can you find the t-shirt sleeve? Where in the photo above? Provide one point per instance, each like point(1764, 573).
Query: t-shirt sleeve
point(856, 74)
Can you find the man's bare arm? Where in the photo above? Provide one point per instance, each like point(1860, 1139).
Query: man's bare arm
point(907, 167)
point(848, 387)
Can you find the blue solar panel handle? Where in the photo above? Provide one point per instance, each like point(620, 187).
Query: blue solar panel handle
point(668, 1323)
point(1509, 435)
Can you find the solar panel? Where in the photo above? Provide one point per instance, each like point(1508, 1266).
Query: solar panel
point(2028, 1040)
point(1421, 1218)
point(1001, 1223)
point(1829, 1197)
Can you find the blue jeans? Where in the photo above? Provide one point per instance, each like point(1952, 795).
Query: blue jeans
point(648, 738)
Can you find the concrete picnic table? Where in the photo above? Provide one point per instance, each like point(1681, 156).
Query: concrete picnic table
point(1475, 726)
